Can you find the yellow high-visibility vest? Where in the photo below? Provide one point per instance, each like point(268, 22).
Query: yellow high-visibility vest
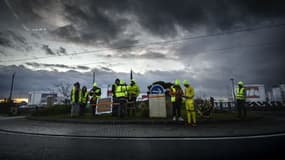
point(84, 97)
point(73, 95)
point(121, 91)
point(240, 94)
point(172, 94)
point(133, 90)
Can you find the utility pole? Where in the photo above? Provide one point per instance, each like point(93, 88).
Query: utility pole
point(131, 75)
point(93, 77)
point(12, 87)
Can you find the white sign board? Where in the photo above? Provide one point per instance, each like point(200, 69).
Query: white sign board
point(157, 105)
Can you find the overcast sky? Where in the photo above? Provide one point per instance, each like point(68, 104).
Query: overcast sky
point(207, 42)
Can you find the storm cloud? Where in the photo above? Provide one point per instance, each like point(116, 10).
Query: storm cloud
point(207, 42)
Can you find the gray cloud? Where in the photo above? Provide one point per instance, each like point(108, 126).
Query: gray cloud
point(4, 41)
point(36, 65)
point(105, 20)
point(29, 80)
point(211, 60)
point(153, 55)
point(53, 66)
point(62, 51)
point(83, 67)
point(145, 55)
point(13, 39)
point(48, 50)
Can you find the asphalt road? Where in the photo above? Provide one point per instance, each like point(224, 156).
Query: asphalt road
point(18, 146)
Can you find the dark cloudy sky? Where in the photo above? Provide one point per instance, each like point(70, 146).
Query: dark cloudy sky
point(205, 41)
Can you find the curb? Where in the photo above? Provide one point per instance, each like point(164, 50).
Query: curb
point(142, 122)
point(154, 138)
point(79, 121)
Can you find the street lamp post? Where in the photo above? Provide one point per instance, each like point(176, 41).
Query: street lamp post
point(12, 87)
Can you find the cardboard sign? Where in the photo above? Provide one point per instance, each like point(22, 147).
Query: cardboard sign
point(104, 105)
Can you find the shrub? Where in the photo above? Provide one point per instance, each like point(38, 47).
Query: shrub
point(53, 110)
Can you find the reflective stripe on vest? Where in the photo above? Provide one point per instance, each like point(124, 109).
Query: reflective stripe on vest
point(240, 94)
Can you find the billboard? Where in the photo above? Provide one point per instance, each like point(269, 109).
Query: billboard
point(255, 92)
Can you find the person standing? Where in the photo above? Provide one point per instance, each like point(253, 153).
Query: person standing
point(83, 100)
point(75, 99)
point(240, 96)
point(176, 98)
point(189, 104)
point(133, 91)
point(121, 97)
point(95, 94)
point(115, 107)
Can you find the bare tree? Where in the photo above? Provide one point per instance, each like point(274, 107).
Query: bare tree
point(63, 87)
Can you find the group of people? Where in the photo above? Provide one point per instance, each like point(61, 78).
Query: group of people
point(80, 96)
point(177, 96)
point(124, 96)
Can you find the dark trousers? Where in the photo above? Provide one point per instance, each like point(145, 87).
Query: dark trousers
point(176, 108)
point(241, 108)
point(132, 106)
point(82, 109)
point(93, 106)
point(94, 110)
point(122, 107)
point(115, 107)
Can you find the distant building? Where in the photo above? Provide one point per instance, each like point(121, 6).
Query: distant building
point(276, 93)
point(282, 87)
point(43, 98)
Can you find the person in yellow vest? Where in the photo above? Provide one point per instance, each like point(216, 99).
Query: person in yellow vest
point(176, 94)
point(83, 100)
point(240, 97)
point(115, 107)
point(121, 97)
point(133, 91)
point(95, 94)
point(189, 104)
point(75, 99)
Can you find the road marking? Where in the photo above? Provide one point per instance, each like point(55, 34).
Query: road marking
point(144, 138)
point(14, 117)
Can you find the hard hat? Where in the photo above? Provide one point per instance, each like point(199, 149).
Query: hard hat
point(177, 82)
point(122, 82)
point(94, 84)
point(240, 83)
point(185, 82)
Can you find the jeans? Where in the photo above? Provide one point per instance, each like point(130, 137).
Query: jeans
point(74, 109)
